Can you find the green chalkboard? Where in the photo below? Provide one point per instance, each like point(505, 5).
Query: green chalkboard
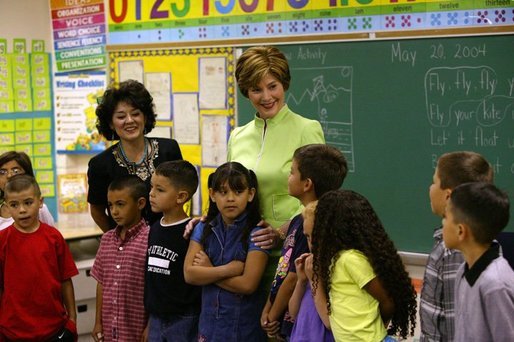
point(394, 106)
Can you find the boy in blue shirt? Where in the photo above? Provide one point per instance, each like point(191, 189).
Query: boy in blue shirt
point(316, 169)
point(484, 284)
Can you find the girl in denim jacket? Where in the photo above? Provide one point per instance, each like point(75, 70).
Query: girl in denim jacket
point(223, 260)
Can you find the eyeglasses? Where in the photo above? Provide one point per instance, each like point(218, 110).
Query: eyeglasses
point(14, 171)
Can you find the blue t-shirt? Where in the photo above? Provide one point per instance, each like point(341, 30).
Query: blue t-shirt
point(228, 236)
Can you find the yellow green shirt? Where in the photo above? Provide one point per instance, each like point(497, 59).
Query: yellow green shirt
point(267, 147)
point(355, 315)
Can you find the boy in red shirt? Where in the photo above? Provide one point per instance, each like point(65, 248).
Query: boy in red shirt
point(37, 301)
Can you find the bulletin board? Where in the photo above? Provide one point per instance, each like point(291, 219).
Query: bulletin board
point(32, 133)
point(26, 117)
point(194, 96)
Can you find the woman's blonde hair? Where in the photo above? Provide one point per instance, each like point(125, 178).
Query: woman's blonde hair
point(258, 62)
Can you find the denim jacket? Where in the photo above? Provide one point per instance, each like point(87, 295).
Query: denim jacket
point(228, 316)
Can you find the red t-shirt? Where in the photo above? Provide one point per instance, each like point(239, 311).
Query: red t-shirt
point(32, 269)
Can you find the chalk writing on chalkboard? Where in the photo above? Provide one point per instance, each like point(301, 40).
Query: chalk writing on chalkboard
point(396, 106)
point(330, 92)
point(464, 104)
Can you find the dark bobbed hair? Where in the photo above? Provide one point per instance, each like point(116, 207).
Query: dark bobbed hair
point(136, 186)
point(258, 62)
point(481, 206)
point(21, 158)
point(181, 174)
point(21, 183)
point(237, 177)
point(131, 92)
point(456, 168)
point(346, 220)
point(325, 165)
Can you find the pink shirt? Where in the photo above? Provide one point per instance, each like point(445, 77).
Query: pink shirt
point(120, 268)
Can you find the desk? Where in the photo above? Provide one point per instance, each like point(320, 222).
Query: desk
point(71, 234)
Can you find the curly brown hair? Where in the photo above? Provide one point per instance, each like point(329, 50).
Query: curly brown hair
point(346, 220)
point(131, 92)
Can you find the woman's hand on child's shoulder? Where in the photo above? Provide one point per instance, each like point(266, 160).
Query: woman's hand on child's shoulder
point(266, 237)
point(191, 226)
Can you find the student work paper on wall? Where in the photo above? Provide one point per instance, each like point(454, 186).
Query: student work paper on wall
point(159, 85)
point(214, 139)
point(194, 94)
point(131, 70)
point(213, 89)
point(186, 118)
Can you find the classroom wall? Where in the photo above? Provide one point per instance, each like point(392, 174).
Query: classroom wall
point(30, 19)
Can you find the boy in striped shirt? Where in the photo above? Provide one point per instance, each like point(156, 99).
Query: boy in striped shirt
point(120, 265)
point(437, 304)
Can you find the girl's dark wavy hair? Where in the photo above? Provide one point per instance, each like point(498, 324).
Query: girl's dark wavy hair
point(22, 159)
point(237, 177)
point(346, 220)
point(131, 92)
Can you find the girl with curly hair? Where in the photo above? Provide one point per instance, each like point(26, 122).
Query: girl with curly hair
point(357, 264)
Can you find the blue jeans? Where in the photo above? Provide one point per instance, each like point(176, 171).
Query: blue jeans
point(176, 328)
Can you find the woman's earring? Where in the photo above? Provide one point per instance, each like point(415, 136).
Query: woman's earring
point(112, 138)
